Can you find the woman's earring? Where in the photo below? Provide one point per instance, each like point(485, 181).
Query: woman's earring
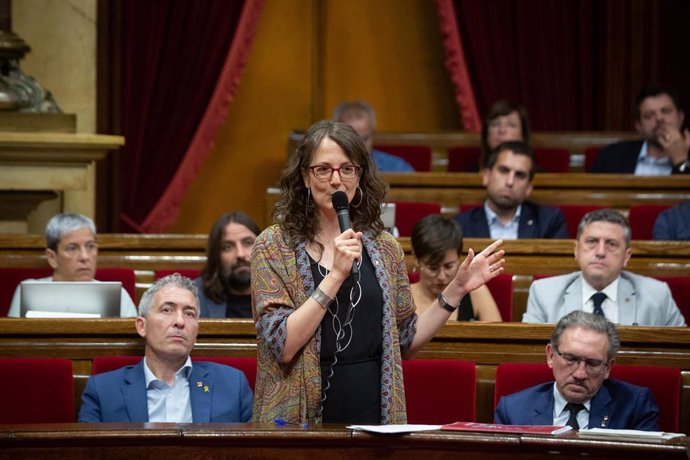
point(361, 198)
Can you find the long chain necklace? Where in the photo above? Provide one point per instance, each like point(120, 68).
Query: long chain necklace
point(341, 329)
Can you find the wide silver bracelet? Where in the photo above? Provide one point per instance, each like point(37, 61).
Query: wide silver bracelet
point(321, 297)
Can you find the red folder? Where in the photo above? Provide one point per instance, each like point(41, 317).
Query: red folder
point(495, 428)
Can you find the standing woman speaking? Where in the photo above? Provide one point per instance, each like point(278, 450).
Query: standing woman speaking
point(330, 342)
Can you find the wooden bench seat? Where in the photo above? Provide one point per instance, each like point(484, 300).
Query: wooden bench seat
point(487, 345)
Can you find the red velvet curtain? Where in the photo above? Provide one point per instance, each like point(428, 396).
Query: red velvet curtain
point(574, 64)
point(181, 63)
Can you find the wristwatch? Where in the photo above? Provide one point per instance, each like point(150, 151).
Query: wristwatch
point(446, 306)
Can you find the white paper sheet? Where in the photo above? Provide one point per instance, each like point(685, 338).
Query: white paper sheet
point(393, 429)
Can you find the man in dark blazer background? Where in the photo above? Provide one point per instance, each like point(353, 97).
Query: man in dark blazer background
point(581, 354)
point(506, 214)
point(165, 386)
point(665, 144)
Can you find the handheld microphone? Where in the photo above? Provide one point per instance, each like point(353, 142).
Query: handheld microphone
point(340, 204)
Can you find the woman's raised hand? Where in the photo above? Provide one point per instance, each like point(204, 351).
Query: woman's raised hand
point(477, 269)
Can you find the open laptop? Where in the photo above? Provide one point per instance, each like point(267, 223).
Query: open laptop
point(70, 299)
point(388, 218)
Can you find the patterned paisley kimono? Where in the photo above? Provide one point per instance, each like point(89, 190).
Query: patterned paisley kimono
point(281, 282)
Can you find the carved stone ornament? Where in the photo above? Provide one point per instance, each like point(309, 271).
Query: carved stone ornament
point(18, 91)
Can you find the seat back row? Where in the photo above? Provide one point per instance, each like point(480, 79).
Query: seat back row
point(501, 287)
point(640, 216)
point(436, 391)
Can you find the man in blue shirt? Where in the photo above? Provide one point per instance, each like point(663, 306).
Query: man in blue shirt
point(506, 213)
point(166, 386)
point(361, 116)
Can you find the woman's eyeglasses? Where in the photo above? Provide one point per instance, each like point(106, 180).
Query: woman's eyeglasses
point(326, 171)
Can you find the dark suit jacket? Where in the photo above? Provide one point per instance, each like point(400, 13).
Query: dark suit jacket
point(120, 395)
point(621, 158)
point(535, 222)
point(617, 405)
point(673, 223)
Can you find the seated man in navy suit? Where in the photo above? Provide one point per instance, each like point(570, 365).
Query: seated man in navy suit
point(581, 354)
point(166, 386)
point(665, 144)
point(506, 214)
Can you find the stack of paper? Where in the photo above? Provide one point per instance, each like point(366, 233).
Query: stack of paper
point(628, 434)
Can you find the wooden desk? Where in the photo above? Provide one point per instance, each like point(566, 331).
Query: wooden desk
point(241, 441)
point(488, 345)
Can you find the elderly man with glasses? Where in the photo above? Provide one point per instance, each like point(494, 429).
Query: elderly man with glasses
point(581, 354)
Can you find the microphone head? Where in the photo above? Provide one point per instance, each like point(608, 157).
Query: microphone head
point(339, 200)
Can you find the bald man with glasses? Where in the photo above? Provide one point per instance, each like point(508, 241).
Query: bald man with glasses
point(581, 354)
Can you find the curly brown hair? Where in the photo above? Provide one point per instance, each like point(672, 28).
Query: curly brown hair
point(296, 213)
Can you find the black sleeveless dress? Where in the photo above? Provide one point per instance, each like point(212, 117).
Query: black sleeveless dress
point(353, 391)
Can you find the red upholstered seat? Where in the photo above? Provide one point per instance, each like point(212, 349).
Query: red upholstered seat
point(418, 156)
point(10, 279)
point(36, 390)
point(664, 382)
point(439, 391)
point(552, 160)
point(124, 275)
point(680, 290)
point(513, 377)
point(408, 213)
point(591, 154)
point(245, 364)
point(501, 289)
point(466, 159)
point(191, 273)
point(463, 159)
point(642, 218)
point(574, 213)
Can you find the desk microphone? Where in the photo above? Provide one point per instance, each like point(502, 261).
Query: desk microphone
point(340, 204)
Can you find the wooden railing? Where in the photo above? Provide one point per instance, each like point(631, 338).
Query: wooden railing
point(574, 141)
point(524, 258)
point(271, 441)
point(487, 345)
point(451, 190)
